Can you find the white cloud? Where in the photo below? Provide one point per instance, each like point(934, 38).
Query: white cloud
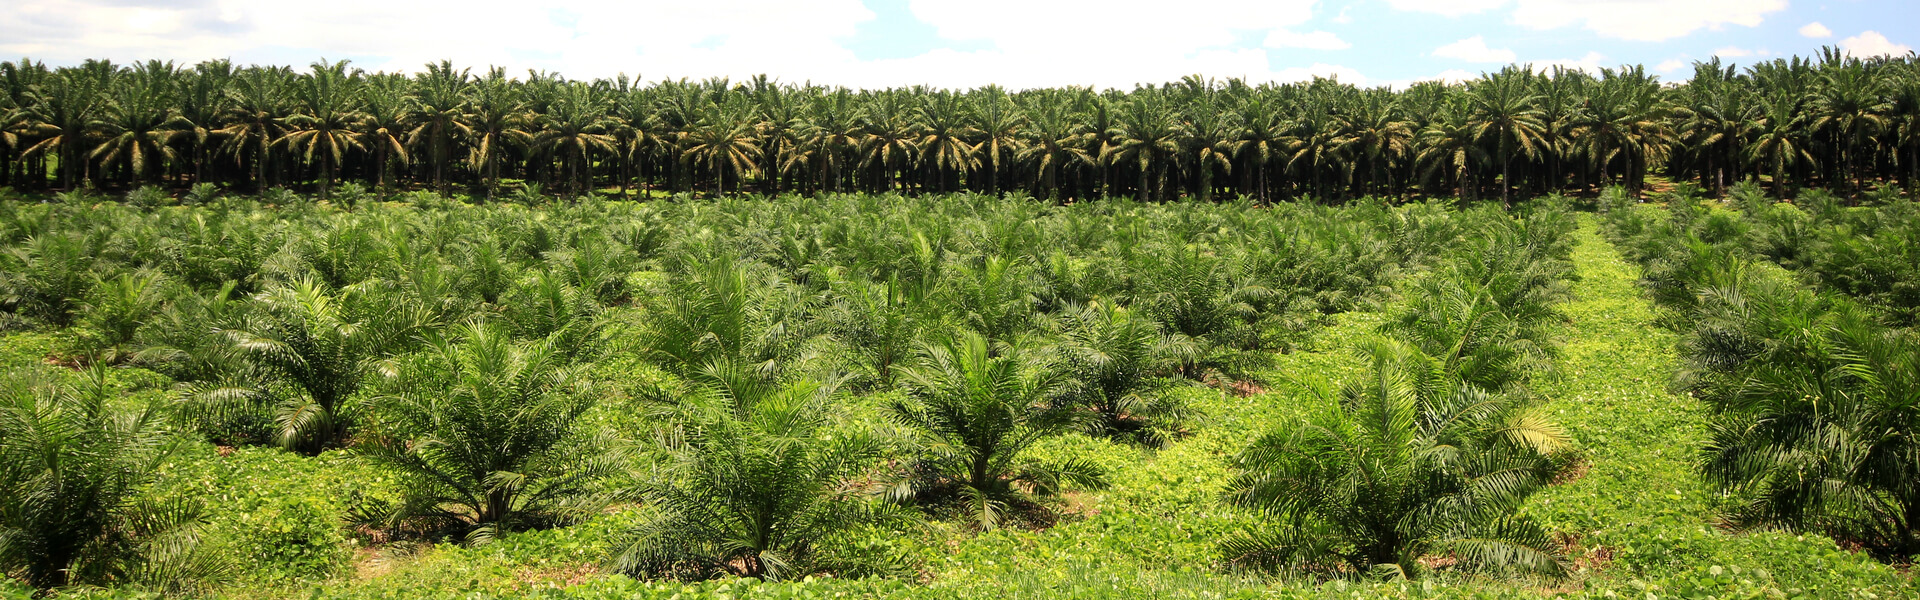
point(1669, 66)
point(1815, 30)
point(1871, 43)
point(1732, 52)
point(1318, 40)
point(1642, 20)
point(1451, 8)
point(1474, 49)
point(1590, 63)
point(794, 41)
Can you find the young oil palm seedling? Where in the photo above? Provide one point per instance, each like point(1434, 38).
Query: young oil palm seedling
point(72, 468)
point(975, 411)
point(1117, 363)
point(1411, 464)
point(114, 312)
point(314, 349)
point(484, 433)
point(758, 483)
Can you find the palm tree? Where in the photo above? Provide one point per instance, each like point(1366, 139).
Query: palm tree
point(574, 129)
point(759, 482)
point(137, 124)
point(832, 135)
point(203, 100)
point(1779, 140)
point(1055, 140)
point(1849, 105)
point(976, 413)
point(384, 128)
point(1315, 144)
point(1147, 137)
point(324, 130)
point(439, 97)
point(1449, 148)
point(73, 469)
point(723, 139)
point(1411, 464)
point(262, 100)
point(1210, 136)
point(313, 342)
point(1379, 135)
point(1262, 140)
point(889, 136)
point(495, 116)
point(62, 112)
point(1118, 361)
point(1505, 115)
point(997, 119)
point(485, 435)
point(943, 132)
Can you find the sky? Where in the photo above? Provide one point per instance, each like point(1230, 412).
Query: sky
point(965, 43)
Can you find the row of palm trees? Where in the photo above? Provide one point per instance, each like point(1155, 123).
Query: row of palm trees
point(1834, 121)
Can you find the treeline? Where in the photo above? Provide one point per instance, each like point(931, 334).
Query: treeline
point(1834, 121)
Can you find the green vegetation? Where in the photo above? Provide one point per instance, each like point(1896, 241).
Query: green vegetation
point(1831, 121)
point(335, 339)
point(953, 396)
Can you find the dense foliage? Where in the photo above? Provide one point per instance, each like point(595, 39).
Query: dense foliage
point(1835, 121)
point(1813, 392)
point(941, 396)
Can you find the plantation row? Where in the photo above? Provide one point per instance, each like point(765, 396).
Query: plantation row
point(767, 390)
point(1796, 331)
point(1838, 122)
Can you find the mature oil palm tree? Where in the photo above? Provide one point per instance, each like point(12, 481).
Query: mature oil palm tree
point(1315, 145)
point(1379, 136)
point(1780, 140)
point(833, 134)
point(1263, 130)
point(262, 100)
point(1449, 148)
point(496, 116)
point(324, 129)
point(439, 97)
point(575, 128)
point(1055, 141)
point(203, 100)
point(384, 128)
point(1209, 135)
point(943, 139)
point(888, 143)
point(724, 140)
point(137, 121)
point(1505, 116)
point(62, 112)
point(997, 119)
point(1849, 106)
point(1148, 137)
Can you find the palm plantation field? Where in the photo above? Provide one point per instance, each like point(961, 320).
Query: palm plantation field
point(337, 334)
point(881, 396)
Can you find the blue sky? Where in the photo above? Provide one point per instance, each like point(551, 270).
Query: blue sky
point(962, 43)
